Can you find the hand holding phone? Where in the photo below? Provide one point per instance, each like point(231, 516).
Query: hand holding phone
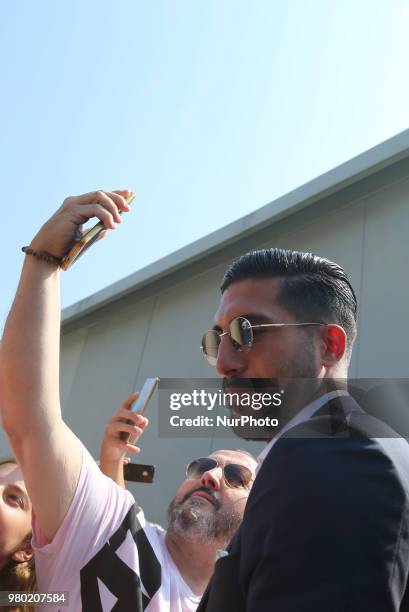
point(87, 240)
point(140, 405)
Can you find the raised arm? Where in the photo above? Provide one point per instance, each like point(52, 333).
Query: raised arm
point(48, 452)
point(113, 449)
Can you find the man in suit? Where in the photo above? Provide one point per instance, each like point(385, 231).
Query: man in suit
point(326, 526)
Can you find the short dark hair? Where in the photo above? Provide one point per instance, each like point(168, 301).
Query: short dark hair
point(313, 288)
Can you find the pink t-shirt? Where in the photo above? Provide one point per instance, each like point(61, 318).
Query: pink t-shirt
point(107, 556)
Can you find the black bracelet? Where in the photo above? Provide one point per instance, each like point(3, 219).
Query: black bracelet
point(43, 255)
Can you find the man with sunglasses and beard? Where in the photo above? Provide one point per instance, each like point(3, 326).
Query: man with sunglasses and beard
point(202, 517)
point(326, 527)
point(89, 536)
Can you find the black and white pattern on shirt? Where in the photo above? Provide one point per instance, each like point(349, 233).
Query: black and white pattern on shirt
point(121, 580)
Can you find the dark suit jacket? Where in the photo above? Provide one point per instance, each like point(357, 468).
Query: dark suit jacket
point(326, 527)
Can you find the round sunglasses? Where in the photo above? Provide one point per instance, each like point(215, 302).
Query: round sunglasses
point(235, 474)
point(241, 336)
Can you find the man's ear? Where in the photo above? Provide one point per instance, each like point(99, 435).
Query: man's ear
point(24, 553)
point(333, 344)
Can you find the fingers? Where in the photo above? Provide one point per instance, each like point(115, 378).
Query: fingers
point(117, 427)
point(116, 198)
point(131, 448)
point(125, 412)
point(122, 198)
point(102, 235)
point(124, 447)
point(130, 400)
point(109, 219)
point(125, 193)
point(105, 205)
point(124, 416)
point(124, 421)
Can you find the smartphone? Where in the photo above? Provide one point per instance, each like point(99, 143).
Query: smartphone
point(87, 240)
point(140, 405)
point(136, 472)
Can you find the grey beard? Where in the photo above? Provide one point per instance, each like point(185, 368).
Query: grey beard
point(191, 519)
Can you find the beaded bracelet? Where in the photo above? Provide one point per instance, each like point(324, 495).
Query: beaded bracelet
point(43, 255)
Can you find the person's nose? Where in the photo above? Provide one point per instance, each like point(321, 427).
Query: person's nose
point(212, 478)
point(230, 362)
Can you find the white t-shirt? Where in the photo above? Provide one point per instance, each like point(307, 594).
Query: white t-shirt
point(107, 556)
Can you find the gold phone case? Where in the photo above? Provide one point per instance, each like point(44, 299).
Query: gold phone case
point(86, 241)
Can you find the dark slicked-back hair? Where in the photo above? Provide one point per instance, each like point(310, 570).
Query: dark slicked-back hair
point(314, 289)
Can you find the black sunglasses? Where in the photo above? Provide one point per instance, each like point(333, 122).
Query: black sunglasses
point(241, 336)
point(235, 475)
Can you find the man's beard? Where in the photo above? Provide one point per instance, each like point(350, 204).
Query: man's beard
point(197, 519)
point(296, 382)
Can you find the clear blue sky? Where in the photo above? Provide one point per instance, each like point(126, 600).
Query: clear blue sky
point(208, 110)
